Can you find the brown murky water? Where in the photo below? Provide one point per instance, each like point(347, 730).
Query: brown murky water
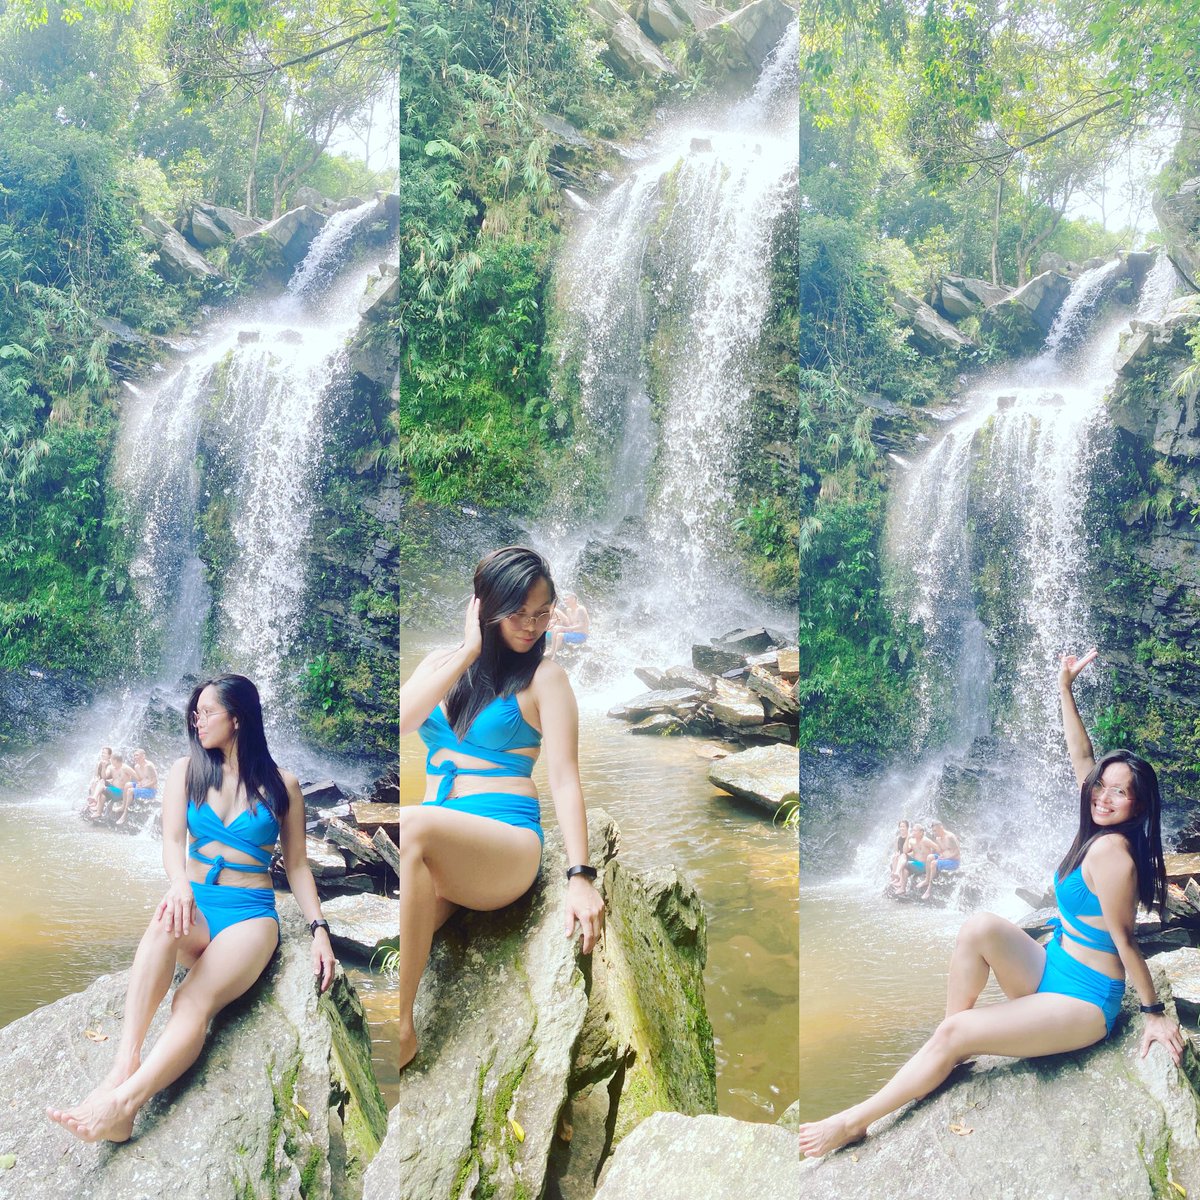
point(745, 869)
point(76, 900)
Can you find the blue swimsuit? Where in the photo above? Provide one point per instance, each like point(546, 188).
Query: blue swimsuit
point(1067, 976)
point(248, 832)
point(495, 733)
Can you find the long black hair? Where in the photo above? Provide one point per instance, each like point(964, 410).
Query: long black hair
point(1143, 832)
point(502, 581)
point(256, 768)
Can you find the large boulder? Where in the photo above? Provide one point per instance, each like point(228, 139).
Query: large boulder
point(1097, 1123)
point(229, 220)
point(514, 1023)
point(673, 1157)
point(1179, 219)
point(379, 1182)
point(1019, 324)
point(931, 334)
point(767, 775)
point(667, 20)
point(960, 296)
point(363, 926)
point(283, 1084)
point(274, 251)
point(746, 38)
point(177, 262)
point(630, 53)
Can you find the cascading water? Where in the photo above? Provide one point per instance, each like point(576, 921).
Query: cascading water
point(664, 295)
point(986, 543)
point(250, 401)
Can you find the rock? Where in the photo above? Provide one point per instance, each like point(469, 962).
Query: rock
point(311, 198)
point(1102, 1122)
point(230, 220)
point(1134, 346)
point(321, 795)
point(775, 731)
point(931, 334)
point(650, 677)
point(1050, 261)
point(630, 53)
point(746, 641)
point(1182, 969)
point(768, 775)
point(1179, 219)
point(381, 294)
point(120, 332)
point(713, 750)
point(178, 262)
point(565, 134)
point(203, 232)
point(716, 661)
point(258, 1114)
point(961, 296)
point(667, 20)
point(379, 1182)
point(659, 723)
point(273, 251)
point(369, 817)
point(780, 694)
point(736, 706)
point(788, 662)
point(386, 789)
point(1020, 322)
point(747, 37)
point(363, 925)
point(1182, 867)
point(326, 862)
point(512, 1019)
point(673, 1157)
point(684, 676)
point(674, 701)
point(791, 1117)
point(699, 145)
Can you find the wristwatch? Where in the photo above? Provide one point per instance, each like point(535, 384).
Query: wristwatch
point(319, 923)
point(584, 870)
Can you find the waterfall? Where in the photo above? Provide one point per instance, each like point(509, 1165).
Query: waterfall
point(985, 545)
point(250, 401)
point(664, 290)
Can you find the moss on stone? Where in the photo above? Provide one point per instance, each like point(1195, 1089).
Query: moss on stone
point(308, 1176)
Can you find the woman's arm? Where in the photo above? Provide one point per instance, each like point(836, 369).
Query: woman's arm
point(293, 844)
point(1079, 745)
point(437, 673)
point(177, 907)
point(1114, 880)
point(559, 718)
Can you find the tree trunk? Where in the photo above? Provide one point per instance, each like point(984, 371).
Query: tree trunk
point(252, 177)
point(996, 232)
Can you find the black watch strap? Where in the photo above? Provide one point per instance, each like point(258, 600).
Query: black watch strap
point(583, 869)
point(319, 923)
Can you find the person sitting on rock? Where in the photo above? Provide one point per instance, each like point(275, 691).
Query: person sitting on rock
point(1067, 995)
point(218, 917)
point(917, 850)
point(100, 776)
point(120, 774)
point(484, 711)
point(143, 786)
point(574, 626)
point(898, 855)
point(947, 858)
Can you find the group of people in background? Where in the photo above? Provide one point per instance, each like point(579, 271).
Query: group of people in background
point(569, 625)
point(116, 782)
point(920, 855)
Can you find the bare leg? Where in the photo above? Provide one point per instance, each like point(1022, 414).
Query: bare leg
point(126, 797)
point(988, 942)
point(930, 872)
point(1027, 1028)
point(447, 859)
point(227, 968)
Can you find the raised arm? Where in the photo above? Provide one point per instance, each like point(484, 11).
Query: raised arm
point(437, 673)
point(1079, 745)
point(559, 716)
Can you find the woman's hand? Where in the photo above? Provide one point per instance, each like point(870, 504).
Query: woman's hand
point(1070, 667)
point(472, 631)
point(1160, 1028)
point(584, 904)
point(323, 959)
point(178, 908)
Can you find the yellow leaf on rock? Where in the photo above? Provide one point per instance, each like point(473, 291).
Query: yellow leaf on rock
point(518, 1132)
point(7, 1162)
point(94, 1035)
point(1177, 1187)
point(301, 1110)
point(961, 1130)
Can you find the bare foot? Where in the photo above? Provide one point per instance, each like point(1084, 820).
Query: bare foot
point(819, 1137)
point(98, 1117)
point(408, 1049)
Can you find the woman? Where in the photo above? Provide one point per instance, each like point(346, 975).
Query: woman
point(484, 709)
point(1066, 996)
point(218, 917)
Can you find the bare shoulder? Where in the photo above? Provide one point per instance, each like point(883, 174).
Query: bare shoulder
point(180, 765)
point(1111, 854)
point(550, 677)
